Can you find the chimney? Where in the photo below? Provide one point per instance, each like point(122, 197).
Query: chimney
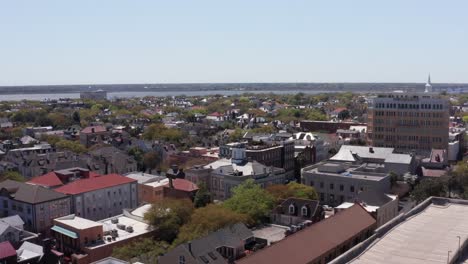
point(171, 184)
point(371, 149)
point(93, 130)
point(189, 245)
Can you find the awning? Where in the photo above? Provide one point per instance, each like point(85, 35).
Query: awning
point(64, 231)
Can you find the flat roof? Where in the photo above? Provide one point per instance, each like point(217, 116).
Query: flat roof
point(77, 222)
point(139, 228)
point(423, 238)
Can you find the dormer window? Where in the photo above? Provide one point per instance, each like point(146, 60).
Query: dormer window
point(291, 209)
point(304, 211)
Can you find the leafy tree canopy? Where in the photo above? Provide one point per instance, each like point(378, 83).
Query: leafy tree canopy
point(168, 215)
point(208, 219)
point(250, 199)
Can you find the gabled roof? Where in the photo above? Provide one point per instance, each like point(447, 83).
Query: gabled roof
point(373, 197)
point(6, 250)
point(203, 250)
point(184, 185)
point(48, 180)
point(29, 193)
point(312, 242)
point(298, 203)
point(92, 184)
point(97, 129)
point(13, 220)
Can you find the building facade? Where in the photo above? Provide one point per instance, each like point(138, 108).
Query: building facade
point(102, 196)
point(409, 121)
point(336, 183)
point(37, 206)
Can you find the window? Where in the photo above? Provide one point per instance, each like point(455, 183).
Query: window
point(291, 209)
point(311, 183)
point(351, 188)
point(321, 185)
point(181, 260)
point(332, 186)
point(341, 187)
point(304, 211)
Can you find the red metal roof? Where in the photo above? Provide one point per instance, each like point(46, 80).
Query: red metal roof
point(184, 185)
point(312, 242)
point(47, 180)
point(97, 129)
point(95, 183)
point(6, 250)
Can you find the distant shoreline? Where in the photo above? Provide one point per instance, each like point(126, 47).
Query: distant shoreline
point(238, 87)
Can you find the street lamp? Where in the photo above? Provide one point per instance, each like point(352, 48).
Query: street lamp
point(459, 240)
point(448, 256)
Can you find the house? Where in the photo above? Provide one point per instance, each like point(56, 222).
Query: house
point(7, 253)
point(39, 160)
point(226, 174)
point(220, 247)
point(383, 207)
point(93, 135)
point(101, 196)
point(436, 165)
point(12, 229)
point(37, 206)
point(294, 211)
point(167, 188)
point(86, 241)
point(106, 160)
point(215, 116)
point(319, 243)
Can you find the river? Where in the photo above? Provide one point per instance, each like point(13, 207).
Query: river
point(113, 95)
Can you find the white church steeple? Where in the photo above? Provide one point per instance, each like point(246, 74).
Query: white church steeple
point(428, 85)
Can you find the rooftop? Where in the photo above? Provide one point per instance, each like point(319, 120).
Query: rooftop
point(324, 236)
point(353, 153)
point(92, 184)
point(143, 178)
point(423, 235)
point(77, 222)
point(29, 193)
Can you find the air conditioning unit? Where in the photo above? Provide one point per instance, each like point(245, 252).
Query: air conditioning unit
point(114, 220)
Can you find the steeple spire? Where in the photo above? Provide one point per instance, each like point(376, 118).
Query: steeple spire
point(428, 85)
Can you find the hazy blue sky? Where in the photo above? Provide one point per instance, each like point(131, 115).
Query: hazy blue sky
point(113, 41)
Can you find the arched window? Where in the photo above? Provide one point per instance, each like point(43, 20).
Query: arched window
point(304, 211)
point(291, 209)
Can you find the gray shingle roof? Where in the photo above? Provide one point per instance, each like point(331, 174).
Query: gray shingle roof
point(29, 193)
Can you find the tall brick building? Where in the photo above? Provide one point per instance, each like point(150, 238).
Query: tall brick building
point(409, 121)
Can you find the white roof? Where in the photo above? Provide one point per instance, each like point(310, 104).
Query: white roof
point(140, 211)
point(77, 222)
point(158, 183)
point(346, 154)
point(423, 238)
point(28, 251)
point(139, 228)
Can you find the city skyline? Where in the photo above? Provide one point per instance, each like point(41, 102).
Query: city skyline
point(119, 42)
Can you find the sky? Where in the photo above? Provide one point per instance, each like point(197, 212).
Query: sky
point(213, 41)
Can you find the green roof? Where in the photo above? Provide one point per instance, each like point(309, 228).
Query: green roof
point(64, 231)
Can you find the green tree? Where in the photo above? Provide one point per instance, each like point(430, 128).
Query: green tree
point(76, 117)
point(144, 248)
point(12, 175)
point(167, 216)
point(250, 199)
point(293, 189)
point(208, 219)
point(151, 160)
point(302, 191)
point(427, 188)
point(74, 146)
point(203, 196)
